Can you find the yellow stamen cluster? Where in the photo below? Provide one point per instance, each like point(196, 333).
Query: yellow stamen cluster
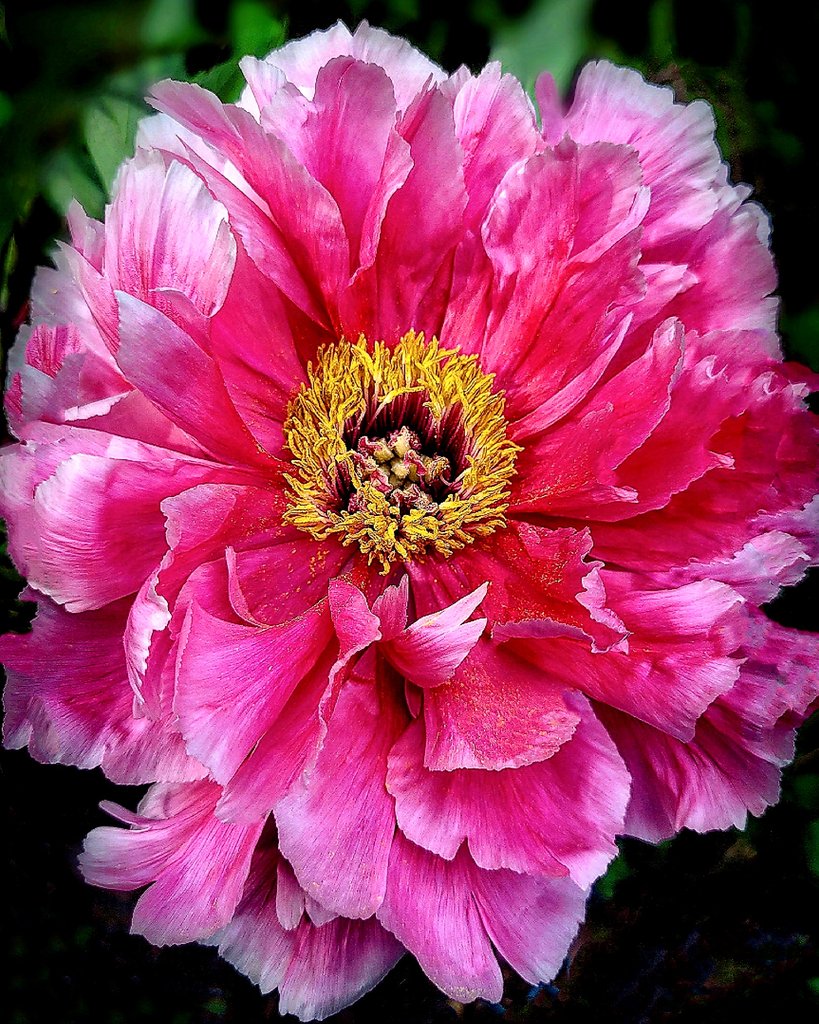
point(347, 390)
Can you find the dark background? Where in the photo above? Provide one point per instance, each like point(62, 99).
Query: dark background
point(698, 929)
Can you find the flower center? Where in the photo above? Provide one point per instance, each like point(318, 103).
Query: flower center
point(402, 451)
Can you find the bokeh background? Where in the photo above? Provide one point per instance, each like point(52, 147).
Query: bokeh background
point(702, 928)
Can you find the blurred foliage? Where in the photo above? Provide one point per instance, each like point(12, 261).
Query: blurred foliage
point(701, 928)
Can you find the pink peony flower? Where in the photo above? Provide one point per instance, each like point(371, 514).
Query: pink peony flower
point(399, 482)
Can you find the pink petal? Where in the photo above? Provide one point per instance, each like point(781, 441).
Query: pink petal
point(336, 825)
point(495, 124)
point(195, 865)
point(233, 681)
point(431, 648)
point(507, 817)
point(683, 652)
point(674, 142)
point(430, 908)
point(408, 284)
point(497, 712)
point(346, 139)
point(563, 596)
point(76, 707)
point(531, 921)
point(85, 518)
point(589, 448)
point(164, 232)
point(301, 246)
point(733, 763)
point(318, 970)
point(183, 381)
point(288, 747)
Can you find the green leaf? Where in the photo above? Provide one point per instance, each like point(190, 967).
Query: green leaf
point(109, 128)
point(801, 334)
point(618, 870)
point(225, 80)
point(812, 846)
point(68, 178)
point(553, 36)
point(254, 29)
point(171, 24)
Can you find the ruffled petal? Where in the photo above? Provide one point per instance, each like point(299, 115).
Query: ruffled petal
point(508, 817)
point(497, 712)
point(318, 970)
point(195, 866)
point(336, 825)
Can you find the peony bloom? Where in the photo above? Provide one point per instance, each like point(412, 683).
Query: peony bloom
point(399, 478)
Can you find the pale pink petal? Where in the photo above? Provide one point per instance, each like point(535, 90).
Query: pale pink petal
point(674, 142)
